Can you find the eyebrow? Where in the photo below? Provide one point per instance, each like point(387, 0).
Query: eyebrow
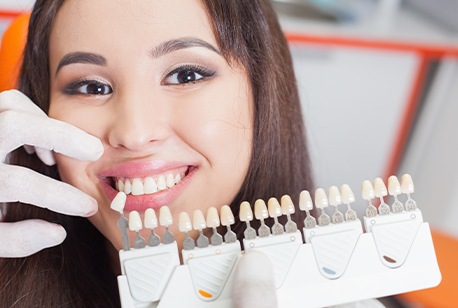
point(181, 43)
point(160, 50)
point(81, 57)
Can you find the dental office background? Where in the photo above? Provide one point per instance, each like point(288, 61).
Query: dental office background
point(379, 88)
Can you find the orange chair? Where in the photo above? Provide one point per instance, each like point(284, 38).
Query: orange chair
point(11, 51)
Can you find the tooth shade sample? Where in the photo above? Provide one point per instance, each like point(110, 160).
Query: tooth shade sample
point(184, 222)
point(274, 207)
point(198, 220)
point(118, 202)
point(246, 214)
point(135, 222)
point(165, 217)
point(287, 205)
point(394, 188)
point(367, 191)
point(260, 210)
point(334, 196)
point(407, 184)
point(150, 219)
point(305, 201)
point(321, 200)
point(137, 187)
point(347, 194)
point(149, 185)
point(226, 216)
point(380, 188)
point(212, 218)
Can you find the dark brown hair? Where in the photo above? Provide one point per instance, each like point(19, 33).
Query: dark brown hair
point(76, 273)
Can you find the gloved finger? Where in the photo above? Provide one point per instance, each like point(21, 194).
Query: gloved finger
point(25, 185)
point(29, 149)
point(254, 282)
point(48, 134)
point(45, 156)
point(16, 100)
point(24, 238)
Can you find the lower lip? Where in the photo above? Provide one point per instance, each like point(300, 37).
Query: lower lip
point(143, 202)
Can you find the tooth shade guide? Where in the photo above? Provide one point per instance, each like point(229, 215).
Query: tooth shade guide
point(213, 222)
point(227, 219)
point(287, 208)
point(306, 204)
point(261, 213)
point(275, 211)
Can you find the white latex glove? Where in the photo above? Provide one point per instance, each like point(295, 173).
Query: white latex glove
point(254, 282)
point(23, 123)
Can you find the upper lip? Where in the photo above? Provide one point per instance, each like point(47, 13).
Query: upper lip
point(141, 169)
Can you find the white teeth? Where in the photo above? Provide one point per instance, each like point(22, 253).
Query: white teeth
point(334, 196)
point(120, 185)
point(227, 218)
point(198, 220)
point(161, 184)
point(127, 187)
point(407, 184)
point(260, 209)
point(367, 191)
point(118, 202)
point(347, 194)
point(394, 188)
point(135, 222)
point(380, 188)
point(321, 200)
point(178, 178)
point(170, 181)
point(246, 214)
point(287, 205)
point(184, 222)
point(305, 201)
point(274, 207)
point(137, 187)
point(149, 186)
point(150, 219)
point(165, 217)
point(212, 218)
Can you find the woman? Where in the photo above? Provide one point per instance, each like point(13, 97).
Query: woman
point(201, 90)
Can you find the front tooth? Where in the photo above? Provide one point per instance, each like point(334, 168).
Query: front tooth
point(334, 196)
point(321, 200)
point(227, 217)
point(137, 187)
point(120, 185)
point(407, 184)
point(170, 181)
point(165, 216)
point(212, 218)
point(149, 186)
point(150, 219)
point(161, 184)
point(305, 201)
point(246, 214)
point(260, 209)
point(394, 188)
point(177, 178)
point(347, 194)
point(367, 190)
point(127, 187)
point(184, 222)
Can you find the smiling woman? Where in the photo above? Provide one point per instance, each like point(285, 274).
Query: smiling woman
point(195, 105)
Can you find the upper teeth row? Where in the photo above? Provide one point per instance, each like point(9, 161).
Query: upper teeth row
point(148, 185)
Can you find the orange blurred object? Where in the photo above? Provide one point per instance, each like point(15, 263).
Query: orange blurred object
point(446, 293)
point(11, 50)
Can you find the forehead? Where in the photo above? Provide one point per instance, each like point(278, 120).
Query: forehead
point(129, 25)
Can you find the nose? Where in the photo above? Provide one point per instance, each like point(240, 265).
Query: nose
point(138, 123)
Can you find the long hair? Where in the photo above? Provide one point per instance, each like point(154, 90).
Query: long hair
point(76, 273)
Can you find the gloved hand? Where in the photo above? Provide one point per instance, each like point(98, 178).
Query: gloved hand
point(254, 282)
point(23, 123)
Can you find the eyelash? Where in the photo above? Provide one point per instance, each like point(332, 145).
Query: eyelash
point(195, 69)
point(75, 88)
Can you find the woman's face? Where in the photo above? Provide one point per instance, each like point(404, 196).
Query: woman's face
point(148, 79)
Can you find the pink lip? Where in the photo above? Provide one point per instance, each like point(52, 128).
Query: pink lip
point(142, 169)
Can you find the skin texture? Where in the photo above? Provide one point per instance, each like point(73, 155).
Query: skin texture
point(148, 124)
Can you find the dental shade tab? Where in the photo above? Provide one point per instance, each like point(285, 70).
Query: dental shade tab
point(338, 263)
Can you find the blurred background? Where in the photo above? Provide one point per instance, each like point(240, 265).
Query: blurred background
point(379, 87)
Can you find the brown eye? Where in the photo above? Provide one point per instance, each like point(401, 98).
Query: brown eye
point(187, 74)
point(89, 87)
